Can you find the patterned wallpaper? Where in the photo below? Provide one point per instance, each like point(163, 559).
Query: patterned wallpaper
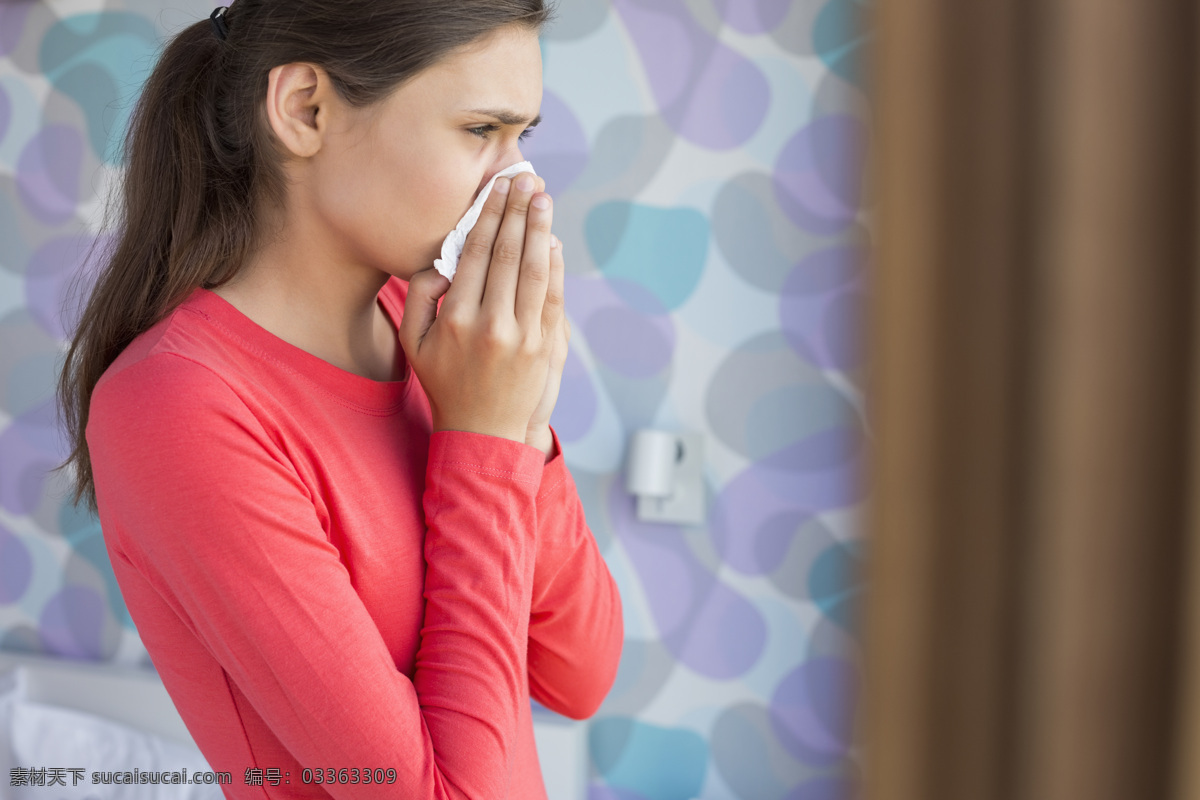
point(706, 157)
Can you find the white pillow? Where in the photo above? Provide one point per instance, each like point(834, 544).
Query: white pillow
point(37, 735)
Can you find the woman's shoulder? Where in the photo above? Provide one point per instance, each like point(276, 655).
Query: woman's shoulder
point(187, 360)
point(185, 334)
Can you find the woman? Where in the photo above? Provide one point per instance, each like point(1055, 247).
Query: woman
point(325, 474)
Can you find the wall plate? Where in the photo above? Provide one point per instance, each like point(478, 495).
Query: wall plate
point(686, 504)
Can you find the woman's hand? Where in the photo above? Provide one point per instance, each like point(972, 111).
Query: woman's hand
point(483, 359)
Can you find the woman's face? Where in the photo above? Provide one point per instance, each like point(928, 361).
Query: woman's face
point(392, 180)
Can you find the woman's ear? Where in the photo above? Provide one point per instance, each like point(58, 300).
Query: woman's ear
point(299, 101)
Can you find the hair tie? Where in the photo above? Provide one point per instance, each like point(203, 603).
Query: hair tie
point(220, 27)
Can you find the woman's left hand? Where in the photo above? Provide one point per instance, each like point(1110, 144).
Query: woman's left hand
point(538, 432)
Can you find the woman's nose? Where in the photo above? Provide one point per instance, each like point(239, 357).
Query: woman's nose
point(510, 157)
point(514, 156)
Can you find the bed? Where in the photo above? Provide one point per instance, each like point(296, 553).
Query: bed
point(75, 722)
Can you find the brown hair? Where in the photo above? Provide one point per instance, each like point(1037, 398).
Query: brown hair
point(200, 161)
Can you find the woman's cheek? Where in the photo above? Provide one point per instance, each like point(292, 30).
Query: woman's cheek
point(455, 199)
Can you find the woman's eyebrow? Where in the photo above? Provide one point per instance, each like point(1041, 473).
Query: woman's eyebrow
point(506, 117)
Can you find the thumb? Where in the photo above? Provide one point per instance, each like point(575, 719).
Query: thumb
point(425, 290)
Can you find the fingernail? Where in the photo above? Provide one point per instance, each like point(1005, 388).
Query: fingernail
point(525, 183)
point(554, 242)
point(541, 201)
point(501, 186)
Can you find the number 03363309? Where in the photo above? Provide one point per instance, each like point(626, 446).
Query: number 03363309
point(349, 775)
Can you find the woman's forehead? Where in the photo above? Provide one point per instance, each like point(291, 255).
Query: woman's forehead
point(502, 73)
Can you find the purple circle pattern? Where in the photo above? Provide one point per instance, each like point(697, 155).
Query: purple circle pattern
point(598, 791)
point(29, 447)
point(50, 267)
point(819, 308)
point(12, 23)
point(5, 110)
point(577, 402)
point(48, 174)
point(72, 622)
point(702, 621)
point(625, 325)
point(812, 713)
point(632, 344)
point(824, 788)
point(818, 177)
point(558, 147)
point(753, 16)
point(707, 92)
point(16, 567)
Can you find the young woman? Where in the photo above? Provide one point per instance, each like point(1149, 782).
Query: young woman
point(325, 473)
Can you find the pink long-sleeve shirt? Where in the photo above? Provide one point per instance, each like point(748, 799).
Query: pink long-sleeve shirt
point(322, 582)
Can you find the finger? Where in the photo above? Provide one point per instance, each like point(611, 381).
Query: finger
point(535, 264)
point(558, 357)
point(471, 276)
point(499, 295)
point(420, 308)
point(553, 309)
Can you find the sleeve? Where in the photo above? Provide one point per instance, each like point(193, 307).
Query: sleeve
point(212, 513)
point(576, 628)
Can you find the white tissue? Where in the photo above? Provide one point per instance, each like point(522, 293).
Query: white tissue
point(452, 247)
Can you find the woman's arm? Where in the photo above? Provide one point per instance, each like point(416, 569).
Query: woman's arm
point(576, 628)
point(199, 499)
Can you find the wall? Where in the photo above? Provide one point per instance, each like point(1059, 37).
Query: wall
point(705, 157)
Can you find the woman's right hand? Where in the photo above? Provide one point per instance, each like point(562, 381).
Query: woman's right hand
point(482, 359)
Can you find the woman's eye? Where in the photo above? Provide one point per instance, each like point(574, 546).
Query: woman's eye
point(483, 130)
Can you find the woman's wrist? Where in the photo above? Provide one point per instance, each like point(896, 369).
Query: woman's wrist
point(542, 439)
